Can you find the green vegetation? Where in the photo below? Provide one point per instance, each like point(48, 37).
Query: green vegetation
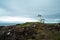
point(44, 31)
point(31, 31)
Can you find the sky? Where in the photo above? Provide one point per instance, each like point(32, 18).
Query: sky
point(27, 10)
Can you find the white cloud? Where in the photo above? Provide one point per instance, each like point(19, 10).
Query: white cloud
point(16, 19)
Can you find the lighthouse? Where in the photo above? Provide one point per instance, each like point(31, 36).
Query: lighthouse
point(40, 19)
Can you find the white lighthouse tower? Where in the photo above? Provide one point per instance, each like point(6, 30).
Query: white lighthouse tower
point(40, 19)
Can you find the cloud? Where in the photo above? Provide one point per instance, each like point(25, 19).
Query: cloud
point(49, 9)
point(4, 12)
point(16, 19)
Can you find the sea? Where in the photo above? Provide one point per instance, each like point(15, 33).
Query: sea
point(8, 24)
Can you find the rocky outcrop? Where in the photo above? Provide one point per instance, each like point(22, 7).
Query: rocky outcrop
point(30, 31)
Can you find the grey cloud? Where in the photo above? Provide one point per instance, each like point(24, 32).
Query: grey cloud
point(49, 9)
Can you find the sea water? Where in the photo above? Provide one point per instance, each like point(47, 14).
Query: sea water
point(7, 24)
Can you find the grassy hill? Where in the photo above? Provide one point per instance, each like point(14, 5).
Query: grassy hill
point(44, 31)
point(31, 31)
